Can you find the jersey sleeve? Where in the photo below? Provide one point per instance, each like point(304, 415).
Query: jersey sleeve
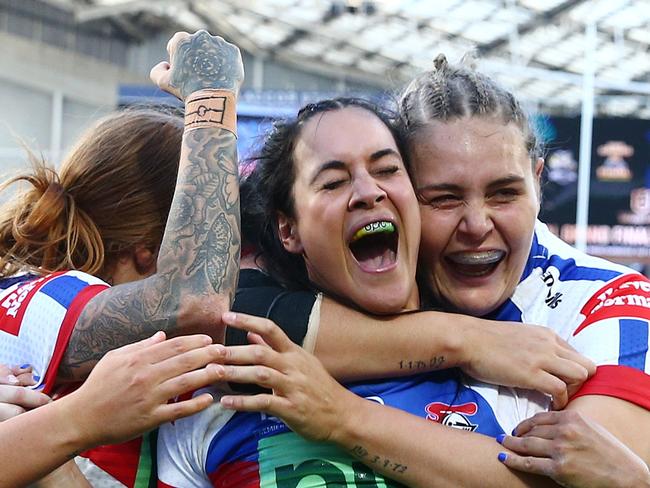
point(37, 318)
point(614, 334)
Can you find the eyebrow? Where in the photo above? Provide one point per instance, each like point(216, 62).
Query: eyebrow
point(337, 164)
point(501, 182)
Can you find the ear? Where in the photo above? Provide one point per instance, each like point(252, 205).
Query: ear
point(144, 258)
point(539, 168)
point(289, 235)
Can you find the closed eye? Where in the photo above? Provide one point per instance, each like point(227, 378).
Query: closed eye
point(446, 201)
point(332, 185)
point(388, 170)
point(505, 194)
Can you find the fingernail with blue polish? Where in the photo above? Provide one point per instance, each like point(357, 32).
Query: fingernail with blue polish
point(40, 387)
point(502, 456)
point(25, 366)
point(500, 438)
point(514, 431)
point(36, 378)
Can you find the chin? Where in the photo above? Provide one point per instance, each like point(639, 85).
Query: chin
point(382, 305)
point(477, 305)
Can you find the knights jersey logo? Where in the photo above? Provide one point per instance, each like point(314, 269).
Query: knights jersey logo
point(455, 416)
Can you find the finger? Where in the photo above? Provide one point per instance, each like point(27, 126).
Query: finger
point(529, 446)
point(22, 396)
point(18, 370)
point(6, 370)
point(253, 355)
point(256, 339)
point(542, 431)
point(188, 361)
point(259, 375)
point(9, 379)
point(8, 411)
point(262, 402)
point(158, 337)
point(174, 411)
point(175, 40)
point(568, 370)
point(560, 401)
point(568, 352)
point(176, 346)
point(28, 379)
point(160, 73)
point(541, 418)
point(555, 387)
point(271, 333)
point(527, 464)
point(190, 381)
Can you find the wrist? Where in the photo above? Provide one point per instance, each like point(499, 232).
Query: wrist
point(349, 426)
point(462, 342)
point(71, 426)
point(211, 108)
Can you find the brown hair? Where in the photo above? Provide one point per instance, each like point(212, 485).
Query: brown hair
point(453, 91)
point(113, 191)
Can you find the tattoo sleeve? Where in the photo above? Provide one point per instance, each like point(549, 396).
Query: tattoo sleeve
point(198, 261)
point(197, 265)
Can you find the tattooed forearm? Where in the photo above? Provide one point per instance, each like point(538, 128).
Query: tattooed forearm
point(432, 364)
point(198, 260)
point(379, 463)
point(204, 244)
point(117, 316)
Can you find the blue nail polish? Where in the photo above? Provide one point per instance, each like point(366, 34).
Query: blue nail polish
point(36, 378)
point(514, 432)
point(502, 456)
point(40, 387)
point(500, 438)
point(25, 366)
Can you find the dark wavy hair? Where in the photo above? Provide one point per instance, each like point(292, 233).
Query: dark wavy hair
point(274, 176)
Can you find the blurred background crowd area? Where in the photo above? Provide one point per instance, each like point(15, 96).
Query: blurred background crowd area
point(581, 66)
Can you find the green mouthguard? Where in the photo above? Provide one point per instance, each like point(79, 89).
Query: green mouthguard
point(374, 228)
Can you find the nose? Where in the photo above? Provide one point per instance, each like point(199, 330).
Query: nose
point(476, 222)
point(365, 192)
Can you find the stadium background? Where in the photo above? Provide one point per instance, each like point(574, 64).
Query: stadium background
point(582, 66)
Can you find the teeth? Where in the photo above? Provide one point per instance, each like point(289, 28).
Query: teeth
point(476, 258)
point(381, 226)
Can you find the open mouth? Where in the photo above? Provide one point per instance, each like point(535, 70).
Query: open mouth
point(476, 263)
point(374, 246)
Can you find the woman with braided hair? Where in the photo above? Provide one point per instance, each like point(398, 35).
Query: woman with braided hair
point(476, 167)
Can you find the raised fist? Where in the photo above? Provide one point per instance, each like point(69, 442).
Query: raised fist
point(199, 61)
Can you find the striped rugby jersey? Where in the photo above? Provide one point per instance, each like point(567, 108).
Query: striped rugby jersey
point(37, 316)
point(601, 308)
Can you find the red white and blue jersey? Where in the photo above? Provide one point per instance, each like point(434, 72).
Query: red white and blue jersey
point(221, 448)
point(601, 308)
point(37, 316)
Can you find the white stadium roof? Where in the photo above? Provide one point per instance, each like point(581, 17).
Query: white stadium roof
point(536, 47)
